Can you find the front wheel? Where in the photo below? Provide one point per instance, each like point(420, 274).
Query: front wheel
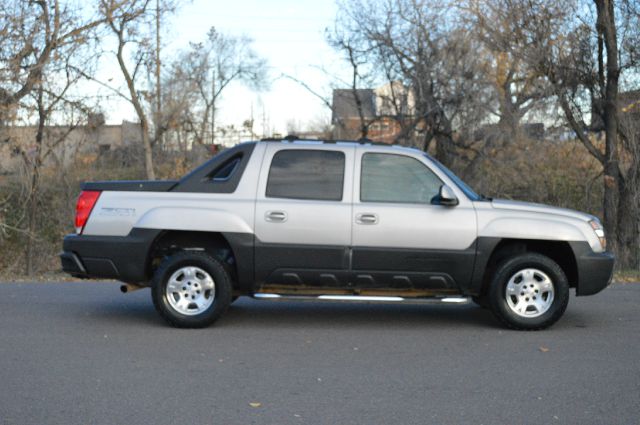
point(529, 292)
point(191, 289)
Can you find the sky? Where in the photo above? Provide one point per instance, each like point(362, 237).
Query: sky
point(289, 34)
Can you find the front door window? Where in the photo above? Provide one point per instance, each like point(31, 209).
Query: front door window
point(397, 179)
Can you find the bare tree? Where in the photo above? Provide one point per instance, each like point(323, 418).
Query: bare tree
point(357, 52)
point(203, 73)
point(418, 44)
point(515, 88)
point(30, 32)
point(585, 51)
point(45, 90)
point(48, 99)
point(124, 19)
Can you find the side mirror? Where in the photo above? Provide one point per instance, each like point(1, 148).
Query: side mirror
point(446, 197)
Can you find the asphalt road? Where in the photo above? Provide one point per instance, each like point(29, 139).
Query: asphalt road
point(83, 353)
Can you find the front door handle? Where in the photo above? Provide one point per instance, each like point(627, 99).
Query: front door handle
point(275, 216)
point(367, 218)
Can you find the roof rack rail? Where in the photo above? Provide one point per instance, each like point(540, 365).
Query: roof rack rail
point(367, 141)
point(293, 137)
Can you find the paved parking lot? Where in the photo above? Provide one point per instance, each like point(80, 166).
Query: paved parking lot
point(82, 353)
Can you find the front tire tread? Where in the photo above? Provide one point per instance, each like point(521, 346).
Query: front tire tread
point(508, 268)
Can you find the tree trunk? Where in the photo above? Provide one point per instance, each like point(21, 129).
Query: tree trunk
point(31, 224)
point(628, 230)
point(445, 151)
point(445, 147)
point(508, 124)
point(137, 105)
point(148, 150)
point(32, 202)
point(612, 175)
point(32, 206)
point(158, 119)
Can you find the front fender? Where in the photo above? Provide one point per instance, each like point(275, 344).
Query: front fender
point(543, 229)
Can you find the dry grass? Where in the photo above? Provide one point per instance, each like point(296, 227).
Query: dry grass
point(627, 276)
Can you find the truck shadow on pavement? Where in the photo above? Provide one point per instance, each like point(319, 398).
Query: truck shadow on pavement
point(248, 313)
point(305, 314)
point(252, 314)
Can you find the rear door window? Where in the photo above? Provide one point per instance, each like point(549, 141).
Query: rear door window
point(306, 174)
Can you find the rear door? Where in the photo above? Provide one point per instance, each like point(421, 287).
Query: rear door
point(400, 238)
point(303, 214)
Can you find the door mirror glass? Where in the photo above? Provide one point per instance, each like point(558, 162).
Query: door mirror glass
point(446, 197)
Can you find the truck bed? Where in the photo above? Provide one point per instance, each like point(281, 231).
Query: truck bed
point(132, 185)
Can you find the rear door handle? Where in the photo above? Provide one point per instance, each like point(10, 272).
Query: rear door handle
point(367, 218)
point(275, 216)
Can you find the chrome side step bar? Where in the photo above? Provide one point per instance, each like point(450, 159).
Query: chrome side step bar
point(363, 298)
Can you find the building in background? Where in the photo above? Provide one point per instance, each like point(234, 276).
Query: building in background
point(350, 109)
point(65, 144)
point(382, 111)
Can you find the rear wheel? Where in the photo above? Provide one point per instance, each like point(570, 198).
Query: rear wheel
point(529, 292)
point(191, 289)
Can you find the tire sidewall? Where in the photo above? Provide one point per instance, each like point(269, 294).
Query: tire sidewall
point(506, 270)
point(197, 259)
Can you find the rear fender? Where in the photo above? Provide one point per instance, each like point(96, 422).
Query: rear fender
point(195, 219)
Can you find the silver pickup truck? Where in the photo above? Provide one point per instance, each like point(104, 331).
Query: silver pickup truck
point(341, 221)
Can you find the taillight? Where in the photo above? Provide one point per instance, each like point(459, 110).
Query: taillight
point(86, 201)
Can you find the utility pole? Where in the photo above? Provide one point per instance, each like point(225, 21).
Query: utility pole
point(265, 123)
point(253, 136)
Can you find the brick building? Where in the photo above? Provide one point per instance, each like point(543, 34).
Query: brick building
point(381, 109)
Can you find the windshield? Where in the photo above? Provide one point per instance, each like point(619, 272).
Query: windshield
point(456, 180)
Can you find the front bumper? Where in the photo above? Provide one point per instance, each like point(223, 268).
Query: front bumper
point(595, 270)
point(108, 257)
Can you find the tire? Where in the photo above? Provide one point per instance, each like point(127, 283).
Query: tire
point(528, 292)
point(191, 289)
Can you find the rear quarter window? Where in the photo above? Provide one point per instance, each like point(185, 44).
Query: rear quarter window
point(227, 169)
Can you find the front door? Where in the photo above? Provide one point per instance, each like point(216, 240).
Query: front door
point(400, 238)
point(303, 215)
